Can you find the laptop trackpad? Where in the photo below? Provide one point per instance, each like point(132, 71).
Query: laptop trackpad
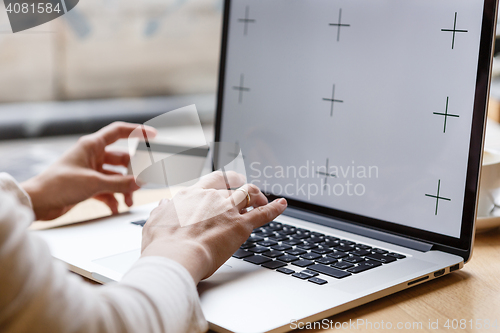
point(120, 262)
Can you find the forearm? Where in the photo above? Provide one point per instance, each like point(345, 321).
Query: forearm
point(38, 294)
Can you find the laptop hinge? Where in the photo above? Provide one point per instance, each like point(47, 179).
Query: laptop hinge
point(359, 230)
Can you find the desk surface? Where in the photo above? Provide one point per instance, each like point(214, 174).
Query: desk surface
point(471, 295)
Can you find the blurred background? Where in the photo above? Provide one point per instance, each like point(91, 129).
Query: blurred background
point(105, 60)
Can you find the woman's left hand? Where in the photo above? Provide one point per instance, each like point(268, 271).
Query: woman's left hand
point(79, 174)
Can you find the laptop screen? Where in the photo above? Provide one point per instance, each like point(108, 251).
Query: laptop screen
point(363, 110)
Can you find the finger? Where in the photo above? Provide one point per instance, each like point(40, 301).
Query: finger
point(264, 214)
point(121, 130)
point(128, 198)
point(116, 183)
point(221, 180)
point(109, 172)
point(240, 200)
point(226, 193)
point(116, 158)
point(110, 201)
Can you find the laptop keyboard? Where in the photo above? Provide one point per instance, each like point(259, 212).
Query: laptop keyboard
point(308, 255)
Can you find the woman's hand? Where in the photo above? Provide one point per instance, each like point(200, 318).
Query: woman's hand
point(79, 174)
point(203, 225)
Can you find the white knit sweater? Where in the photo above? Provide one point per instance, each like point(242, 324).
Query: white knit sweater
point(38, 294)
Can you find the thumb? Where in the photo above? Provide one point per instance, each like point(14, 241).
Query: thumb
point(264, 214)
point(117, 183)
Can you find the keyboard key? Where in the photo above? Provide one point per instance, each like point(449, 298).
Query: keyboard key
point(380, 257)
point(257, 230)
point(379, 251)
point(293, 241)
point(274, 264)
point(301, 235)
point(344, 248)
point(363, 247)
point(321, 249)
point(317, 234)
point(353, 259)
point(301, 276)
point(337, 254)
point(296, 252)
point(312, 240)
point(326, 261)
point(258, 249)
point(331, 243)
point(240, 254)
point(288, 258)
point(278, 237)
point(309, 272)
point(287, 230)
point(266, 233)
point(315, 240)
point(360, 252)
point(267, 243)
point(275, 225)
point(272, 254)
point(311, 256)
point(282, 247)
point(285, 270)
point(365, 265)
point(256, 259)
point(247, 245)
point(332, 238)
point(330, 271)
point(139, 223)
point(254, 239)
point(317, 280)
point(302, 263)
point(346, 242)
point(342, 265)
point(396, 255)
point(307, 245)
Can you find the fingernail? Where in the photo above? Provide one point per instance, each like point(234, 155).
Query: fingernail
point(282, 201)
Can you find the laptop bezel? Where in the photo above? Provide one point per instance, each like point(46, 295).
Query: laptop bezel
point(461, 246)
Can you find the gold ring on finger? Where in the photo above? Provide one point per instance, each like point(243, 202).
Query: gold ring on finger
point(246, 193)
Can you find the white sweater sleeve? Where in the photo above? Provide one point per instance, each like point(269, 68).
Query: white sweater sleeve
point(38, 294)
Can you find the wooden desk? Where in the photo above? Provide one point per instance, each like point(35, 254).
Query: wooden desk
point(471, 294)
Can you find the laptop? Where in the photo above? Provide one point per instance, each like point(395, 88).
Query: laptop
point(368, 117)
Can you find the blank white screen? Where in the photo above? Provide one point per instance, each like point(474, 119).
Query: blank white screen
point(393, 69)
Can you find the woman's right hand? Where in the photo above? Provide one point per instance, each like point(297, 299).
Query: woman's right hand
point(203, 225)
